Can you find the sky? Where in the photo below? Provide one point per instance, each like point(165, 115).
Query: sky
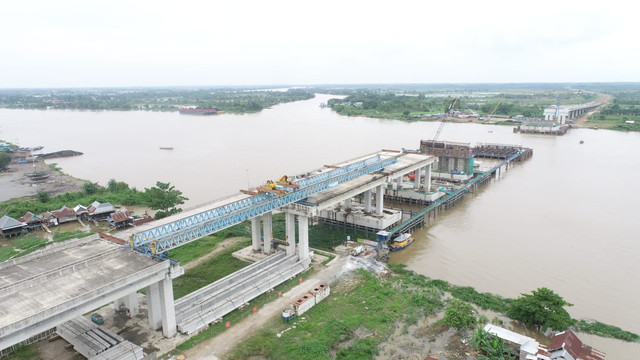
point(95, 43)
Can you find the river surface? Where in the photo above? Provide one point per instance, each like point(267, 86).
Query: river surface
point(566, 219)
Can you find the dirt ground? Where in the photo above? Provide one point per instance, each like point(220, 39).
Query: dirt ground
point(14, 184)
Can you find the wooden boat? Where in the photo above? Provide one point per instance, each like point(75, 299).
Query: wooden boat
point(401, 242)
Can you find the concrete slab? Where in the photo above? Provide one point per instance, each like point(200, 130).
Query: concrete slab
point(68, 291)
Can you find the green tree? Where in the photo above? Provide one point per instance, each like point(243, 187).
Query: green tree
point(459, 315)
point(4, 161)
point(542, 308)
point(89, 187)
point(43, 196)
point(165, 198)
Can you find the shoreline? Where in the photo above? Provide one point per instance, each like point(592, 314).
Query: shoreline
point(14, 185)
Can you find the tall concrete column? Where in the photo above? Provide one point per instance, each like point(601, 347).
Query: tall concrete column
point(267, 229)
point(290, 225)
point(130, 302)
point(256, 234)
point(347, 204)
point(303, 233)
point(379, 199)
point(367, 201)
point(427, 177)
point(416, 180)
point(168, 308)
point(153, 307)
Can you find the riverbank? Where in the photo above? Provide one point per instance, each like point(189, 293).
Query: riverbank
point(14, 184)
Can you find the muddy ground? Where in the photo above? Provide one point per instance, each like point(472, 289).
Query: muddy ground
point(14, 184)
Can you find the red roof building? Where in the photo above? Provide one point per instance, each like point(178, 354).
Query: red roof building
point(65, 215)
point(567, 346)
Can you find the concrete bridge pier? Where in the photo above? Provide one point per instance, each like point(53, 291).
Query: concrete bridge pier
point(418, 176)
point(256, 234)
point(130, 302)
point(290, 225)
point(303, 233)
point(154, 311)
point(167, 307)
point(161, 308)
point(267, 227)
point(379, 199)
point(367, 202)
point(427, 177)
point(347, 204)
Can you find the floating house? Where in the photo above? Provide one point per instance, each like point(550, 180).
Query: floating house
point(100, 211)
point(11, 227)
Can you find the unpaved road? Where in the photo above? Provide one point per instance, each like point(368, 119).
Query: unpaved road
point(217, 347)
point(605, 101)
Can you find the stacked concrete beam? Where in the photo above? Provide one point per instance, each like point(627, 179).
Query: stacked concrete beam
point(97, 342)
point(234, 278)
point(195, 316)
point(125, 350)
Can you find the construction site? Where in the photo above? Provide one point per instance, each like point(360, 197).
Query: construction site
point(80, 276)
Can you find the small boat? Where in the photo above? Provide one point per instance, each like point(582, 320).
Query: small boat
point(581, 142)
point(38, 176)
point(166, 147)
point(401, 242)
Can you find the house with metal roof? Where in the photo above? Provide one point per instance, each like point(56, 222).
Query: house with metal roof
point(32, 220)
point(11, 227)
point(99, 211)
point(120, 219)
point(524, 347)
point(65, 215)
point(567, 346)
point(81, 211)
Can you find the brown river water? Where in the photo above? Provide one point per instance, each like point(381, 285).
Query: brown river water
point(566, 219)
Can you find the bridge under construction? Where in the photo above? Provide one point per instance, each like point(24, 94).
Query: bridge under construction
point(47, 288)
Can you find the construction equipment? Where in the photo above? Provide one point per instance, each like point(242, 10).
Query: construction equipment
point(449, 112)
point(494, 110)
point(451, 105)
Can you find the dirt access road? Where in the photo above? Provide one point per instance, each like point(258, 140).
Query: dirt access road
point(216, 348)
point(605, 101)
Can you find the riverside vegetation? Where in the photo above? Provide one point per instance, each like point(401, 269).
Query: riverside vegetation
point(377, 306)
point(162, 197)
point(232, 100)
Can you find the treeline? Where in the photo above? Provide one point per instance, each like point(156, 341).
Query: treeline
point(228, 100)
point(162, 197)
point(402, 105)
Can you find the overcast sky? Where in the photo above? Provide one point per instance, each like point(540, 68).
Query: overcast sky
point(235, 42)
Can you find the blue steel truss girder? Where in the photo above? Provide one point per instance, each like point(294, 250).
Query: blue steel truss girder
point(339, 171)
point(210, 215)
point(184, 236)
